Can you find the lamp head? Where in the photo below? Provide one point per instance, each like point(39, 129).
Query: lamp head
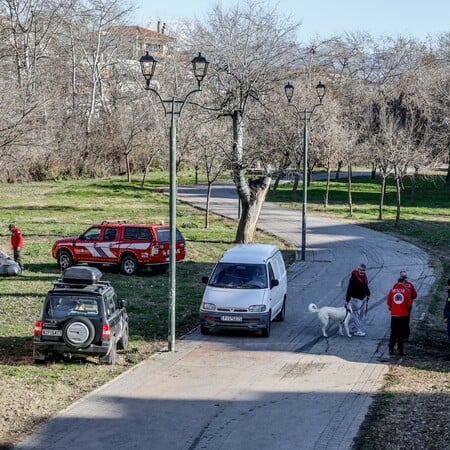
point(320, 88)
point(289, 91)
point(148, 65)
point(200, 67)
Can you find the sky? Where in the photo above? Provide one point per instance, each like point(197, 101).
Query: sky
point(324, 18)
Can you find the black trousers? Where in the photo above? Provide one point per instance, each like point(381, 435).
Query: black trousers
point(399, 332)
point(18, 257)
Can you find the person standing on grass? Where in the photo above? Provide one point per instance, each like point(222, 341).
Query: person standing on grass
point(447, 309)
point(358, 293)
point(413, 292)
point(16, 244)
point(399, 302)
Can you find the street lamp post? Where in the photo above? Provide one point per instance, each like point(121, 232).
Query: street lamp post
point(173, 107)
point(304, 115)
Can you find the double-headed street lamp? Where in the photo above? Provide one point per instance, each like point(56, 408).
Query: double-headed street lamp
point(304, 115)
point(173, 107)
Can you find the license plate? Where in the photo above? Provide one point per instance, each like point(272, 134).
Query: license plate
point(231, 319)
point(47, 332)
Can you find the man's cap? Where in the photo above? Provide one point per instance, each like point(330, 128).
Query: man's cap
point(362, 266)
point(403, 274)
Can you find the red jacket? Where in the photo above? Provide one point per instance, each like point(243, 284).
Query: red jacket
point(412, 289)
point(16, 239)
point(399, 300)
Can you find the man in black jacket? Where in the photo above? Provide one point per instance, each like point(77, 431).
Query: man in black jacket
point(357, 293)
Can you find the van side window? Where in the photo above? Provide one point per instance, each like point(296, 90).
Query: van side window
point(271, 274)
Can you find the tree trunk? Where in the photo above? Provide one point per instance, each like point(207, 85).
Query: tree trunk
point(147, 167)
point(208, 199)
point(338, 170)
point(447, 178)
point(327, 186)
point(373, 171)
point(295, 187)
point(398, 187)
point(349, 184)
point(382, 193)
point(251, 209)
point(127, 165)
point(276, 183)
point(252, 193)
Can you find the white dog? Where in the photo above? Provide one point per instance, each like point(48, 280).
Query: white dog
point(340, 315)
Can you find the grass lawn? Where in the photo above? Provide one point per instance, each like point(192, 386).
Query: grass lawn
point(49, 210)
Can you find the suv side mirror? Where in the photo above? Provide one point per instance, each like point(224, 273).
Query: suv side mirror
point(123, 304)
point(205, 280)
point(274, 283)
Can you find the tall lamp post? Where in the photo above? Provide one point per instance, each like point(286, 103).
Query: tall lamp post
point(304, 115)
point(173, 107)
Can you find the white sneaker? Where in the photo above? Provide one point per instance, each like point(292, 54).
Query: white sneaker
point(360, 333)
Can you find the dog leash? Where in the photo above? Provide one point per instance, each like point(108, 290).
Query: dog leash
point(347, 312)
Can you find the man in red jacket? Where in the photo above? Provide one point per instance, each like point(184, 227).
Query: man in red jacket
point(399, 302)
point(413, 291)
point(16, 244)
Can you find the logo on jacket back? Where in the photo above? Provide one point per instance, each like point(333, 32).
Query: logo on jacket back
point(398, 298)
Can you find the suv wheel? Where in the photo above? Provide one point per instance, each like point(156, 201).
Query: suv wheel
point(39, 357)
point(65, 259)
point(111, 357)
point(123, 341)
point(129, 265)
point(204, 330)
point(78, 333)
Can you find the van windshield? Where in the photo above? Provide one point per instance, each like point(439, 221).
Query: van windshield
point(239, 276)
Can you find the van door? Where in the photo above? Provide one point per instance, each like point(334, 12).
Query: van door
point(276, 295)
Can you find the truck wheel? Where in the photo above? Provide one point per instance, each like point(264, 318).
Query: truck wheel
point(204, 330)
point(129, 265)
point(65, 259)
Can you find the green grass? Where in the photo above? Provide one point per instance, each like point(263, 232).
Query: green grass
point(47, 211)
point(425, 209)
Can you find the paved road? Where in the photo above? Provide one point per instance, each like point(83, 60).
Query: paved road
point(228, 391)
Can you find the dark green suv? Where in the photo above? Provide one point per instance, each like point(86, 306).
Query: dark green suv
point(81, 317)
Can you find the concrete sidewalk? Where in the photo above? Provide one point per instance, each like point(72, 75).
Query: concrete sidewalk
point(294, 390)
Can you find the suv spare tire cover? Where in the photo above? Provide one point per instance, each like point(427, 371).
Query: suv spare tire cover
point(78, 332)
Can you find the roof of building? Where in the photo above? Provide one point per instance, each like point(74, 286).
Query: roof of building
point(133, 30)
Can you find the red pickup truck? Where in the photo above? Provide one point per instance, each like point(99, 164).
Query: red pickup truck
point(131, 246)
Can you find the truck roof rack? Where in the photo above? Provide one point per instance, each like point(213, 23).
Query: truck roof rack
point(105, 222)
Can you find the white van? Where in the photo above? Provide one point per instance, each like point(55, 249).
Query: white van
point(247, 289)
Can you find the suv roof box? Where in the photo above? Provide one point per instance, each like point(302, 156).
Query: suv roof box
point(81, 275)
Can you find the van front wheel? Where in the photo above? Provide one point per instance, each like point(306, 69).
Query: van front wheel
point(265, 332)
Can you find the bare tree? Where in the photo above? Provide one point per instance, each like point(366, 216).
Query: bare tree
point(249, 47)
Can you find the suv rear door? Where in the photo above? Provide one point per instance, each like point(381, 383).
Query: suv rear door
point(163, 238)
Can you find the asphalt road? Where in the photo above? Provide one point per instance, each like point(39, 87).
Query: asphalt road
point(228, 391)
